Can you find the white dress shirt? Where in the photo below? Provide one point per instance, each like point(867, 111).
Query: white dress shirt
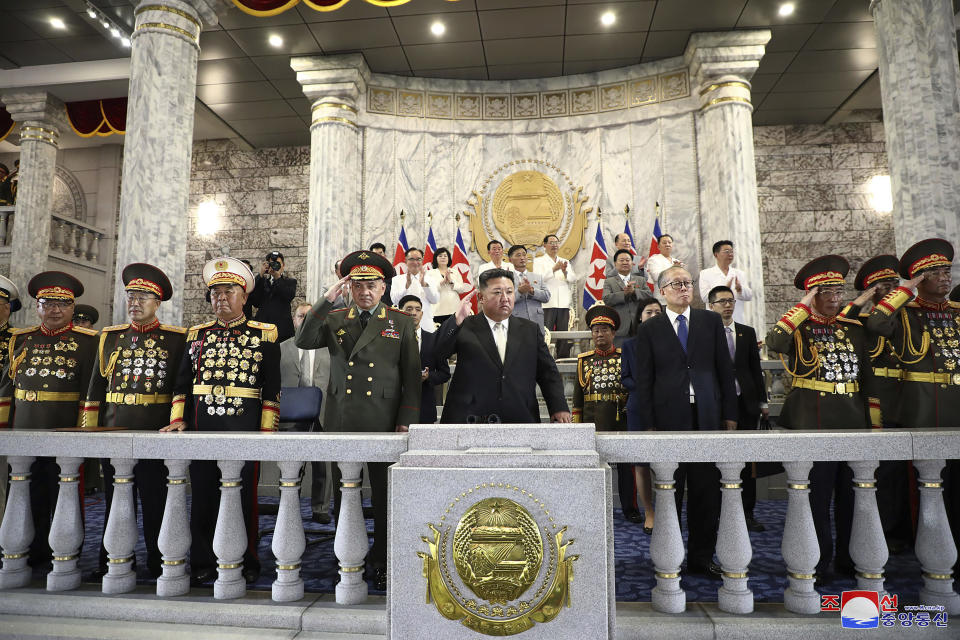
point(428, 295)
point(672, 317)
point(714, 277)
point(493, 329)
point(556, 282)
point(449, 300)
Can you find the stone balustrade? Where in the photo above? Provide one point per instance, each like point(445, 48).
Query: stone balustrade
point(77, 240)
point(6, 224)
point(729, 450)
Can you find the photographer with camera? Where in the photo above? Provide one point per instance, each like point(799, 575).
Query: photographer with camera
point(272, 294)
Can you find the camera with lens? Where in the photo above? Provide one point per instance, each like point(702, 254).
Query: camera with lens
point(275, 265)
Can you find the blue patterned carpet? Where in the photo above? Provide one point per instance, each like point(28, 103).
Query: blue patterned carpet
point(634, 570)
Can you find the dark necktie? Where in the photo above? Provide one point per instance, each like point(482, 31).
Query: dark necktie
point(364, 318)
point(682, 331)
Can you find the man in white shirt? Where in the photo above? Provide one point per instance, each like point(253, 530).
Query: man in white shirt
point(557, 275)
point(413, 283)
point(724, 275)
point(621, 242)
point(495, 249)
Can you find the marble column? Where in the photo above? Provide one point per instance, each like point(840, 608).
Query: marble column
point(666, 543)
point(334, 85)
point(41, 117)
point(920, 86)
point(721, 65)
point(156, 158)
point(799, 545)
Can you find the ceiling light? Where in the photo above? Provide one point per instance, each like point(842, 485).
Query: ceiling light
point(275, 41)
point(57, 23)
point(91, 12)
point(608, 18)
point(786, 9)
point(125, 42)
point(115, 32)
point(106, 25)
point(209, 215)
point(437, 28)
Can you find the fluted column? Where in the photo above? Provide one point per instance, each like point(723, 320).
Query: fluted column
point(721, 65)
point(174, 539)
point(120, 534)
point(66, 529)
point(159, 139)
point(350, 543)
point(799, 546)
point(935, 548)
point(868, 547)
point(666, 543)
point(288, 539)
point(733, 543)
point(230, 536)
point(920, 86)
point(41, 117)
point(333, 84)
point(16, 531)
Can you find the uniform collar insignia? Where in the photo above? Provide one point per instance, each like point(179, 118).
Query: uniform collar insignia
point(232, 323)
point(143, 328)
point(49, 332)
point(933, 306)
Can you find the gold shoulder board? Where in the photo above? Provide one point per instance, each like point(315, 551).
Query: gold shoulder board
point(586, 354)
point(88, 332)
point(849, 320)
point(22, 330)
point(117, 327)
point(174, 329)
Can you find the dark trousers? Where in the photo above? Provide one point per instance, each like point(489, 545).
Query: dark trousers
point(205, 505)
point(558, 320)
point(832, 481)
point(149, 484)
point(627, 489)
point(377, 558)
point(44, 488)
point(893, 500)
point(702, 482)
point(951, 477)
point(747, 422)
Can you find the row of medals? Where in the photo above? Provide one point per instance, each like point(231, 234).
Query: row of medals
point(606, 374)
point(148, 362)
point(837, 359)
point(945, 334)
point(69, 373)
point(218, 357)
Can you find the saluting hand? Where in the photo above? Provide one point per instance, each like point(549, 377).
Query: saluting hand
point(807, 298)
point(466, 308)
point(912, 284)
point(865, 296)
point(340, 287)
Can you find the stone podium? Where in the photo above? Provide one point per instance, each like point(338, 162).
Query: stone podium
point(499, 530)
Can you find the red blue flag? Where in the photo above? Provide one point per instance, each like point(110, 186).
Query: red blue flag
point(593, 286)
point(429, 250)
point(462, 265)
point(626, 230)
point(400, 255)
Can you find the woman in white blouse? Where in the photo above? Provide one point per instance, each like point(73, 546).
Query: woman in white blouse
point(658, 262)
point(448, 282)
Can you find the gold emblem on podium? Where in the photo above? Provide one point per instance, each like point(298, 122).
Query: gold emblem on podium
point(524, 200)
point(509, 568)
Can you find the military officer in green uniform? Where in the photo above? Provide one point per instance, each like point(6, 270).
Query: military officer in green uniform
point(599, 396)
point(132, 387)
point(955, 294)
point(876, 278)
point(923, 327)
point(85, 315)
point(9, 303)
point(228, 380)
point(832, 378)
point(374, 373)
point(44, 386)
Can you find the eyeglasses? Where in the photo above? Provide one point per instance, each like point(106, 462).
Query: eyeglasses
point(56, 304)
point(414, 259)
point(139, 298)
point(830, 293)
point(725, 301)
point(677, 285)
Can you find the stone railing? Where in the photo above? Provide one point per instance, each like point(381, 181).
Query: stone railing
point(76, 240)
point(6, 224)
point(729, 450)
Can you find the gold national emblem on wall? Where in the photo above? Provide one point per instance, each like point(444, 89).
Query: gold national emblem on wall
point(521, 202)
point(507, 574)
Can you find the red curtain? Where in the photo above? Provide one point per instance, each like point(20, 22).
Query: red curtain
point(98, 117)
point(262, 8)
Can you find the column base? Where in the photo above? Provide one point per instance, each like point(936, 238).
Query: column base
point(352, 589)
point(800, 596)
point(941, 594)
point(64, 577)
point(15, 574)
point(734, 596)
point(288, 587)
point(668, 597)
point(230, 584)
point(174, 582)
point(123, 581)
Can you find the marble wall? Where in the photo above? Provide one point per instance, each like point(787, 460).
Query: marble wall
point(813, 185)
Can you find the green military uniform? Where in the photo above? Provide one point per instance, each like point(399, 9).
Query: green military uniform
point(132, 387)
point(43, 388)
point(86, 313)
point(10, 293)
point(831, 388)
point(374, 375)
point(599, 396)
point(229, 380)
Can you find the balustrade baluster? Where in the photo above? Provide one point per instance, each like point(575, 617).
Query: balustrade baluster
point(799, 547)
point(868, 546)
point(350, 543)
point(16, 531)
point(666, 543)
point(935, 547)
point(66, 529)
point(230, 536)
point(733, 543)
point(120, 534)
point(174, 539)
point(288, 539)
point(79, 241)
point(93, 254)
point(56, 235)
point(4, 216)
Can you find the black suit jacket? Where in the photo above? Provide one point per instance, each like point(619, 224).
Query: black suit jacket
point(664, 374)
point(439, 373)
point(482, 385)
point(272, 301)
point(753, 389)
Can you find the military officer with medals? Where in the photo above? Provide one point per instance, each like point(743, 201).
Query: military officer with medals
point(599, 396)
point(9, 303)
point(228, 380)
point(375, 372)
point(44, 386)
point(832, 381)
point(132, 387)
point(923, 327)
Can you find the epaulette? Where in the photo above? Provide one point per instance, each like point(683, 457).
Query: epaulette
point(400, 311)
point(22, 330)
point(340, 310)
point(619, 350)
point(587, 354)
point(954, 305)
point(172, 328)
point(195, 329)
point(117, 327)
point(256, 324)
point(849, 321)
point(85, 331)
